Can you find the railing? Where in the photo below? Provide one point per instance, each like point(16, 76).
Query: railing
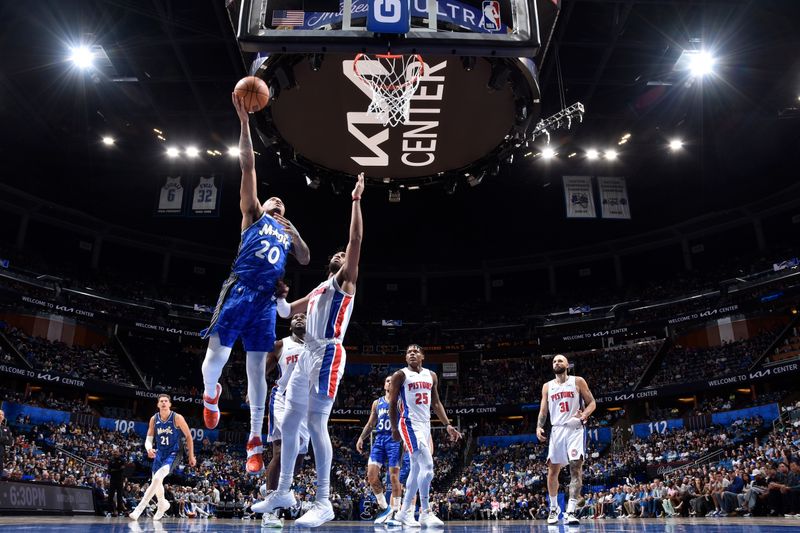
point(708, 458)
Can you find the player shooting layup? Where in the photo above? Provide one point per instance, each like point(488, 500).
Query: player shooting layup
point(246, 306)
point(563, 398)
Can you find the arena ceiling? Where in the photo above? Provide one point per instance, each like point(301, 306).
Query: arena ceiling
point(170, 66)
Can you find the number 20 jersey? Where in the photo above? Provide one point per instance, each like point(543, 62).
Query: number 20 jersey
point(262, 254)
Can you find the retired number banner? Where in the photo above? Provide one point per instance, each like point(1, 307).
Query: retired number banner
point(579, 197)
point(614, 198)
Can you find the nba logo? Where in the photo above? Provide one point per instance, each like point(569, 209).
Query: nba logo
point(491, 15)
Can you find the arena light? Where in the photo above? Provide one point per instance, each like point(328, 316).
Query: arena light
point(611, 155)
point(82, 57)
point(548, 153)
point(675, 145)
point(233, 151)
point(173, 152)
point(701, 63)
point(108, 140)
point(592, 154)
point(192, 151)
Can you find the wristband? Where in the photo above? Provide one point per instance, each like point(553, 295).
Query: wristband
point(283, 307)
point(356, 198)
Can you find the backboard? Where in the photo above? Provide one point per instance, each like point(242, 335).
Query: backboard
point(461, 27)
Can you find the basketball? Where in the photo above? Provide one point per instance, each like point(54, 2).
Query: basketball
point(254, 92)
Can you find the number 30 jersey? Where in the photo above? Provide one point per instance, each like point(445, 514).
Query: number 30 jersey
point(262, 254)
point(563, 400)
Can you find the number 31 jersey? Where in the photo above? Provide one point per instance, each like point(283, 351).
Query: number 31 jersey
point(563, 400)
point(262, 254)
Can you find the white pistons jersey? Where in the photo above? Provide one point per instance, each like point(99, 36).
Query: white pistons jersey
point(290, 353)
point(328, 313)
point(564, 401)
point(415, 408)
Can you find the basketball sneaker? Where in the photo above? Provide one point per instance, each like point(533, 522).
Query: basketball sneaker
point(406, 518)
point(384, 516)
point(319, 513)
point(163, 507)
point(429, 519)
point(571, 519)
point(552, 518)
point(255, 455)
point(275, 500)
point(211, 416)
point(271, 520)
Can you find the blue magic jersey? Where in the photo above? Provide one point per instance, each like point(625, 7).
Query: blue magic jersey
point(168, 435)
point(262, 254)
point(384, 427)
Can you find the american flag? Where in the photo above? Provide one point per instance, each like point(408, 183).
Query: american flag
point(283, 17)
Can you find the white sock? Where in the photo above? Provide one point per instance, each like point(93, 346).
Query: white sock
point(323, 453)
point(553, 502)
point(381, 497)
point(256, 390)
point(216, 357)
point(571, 505)
point(396, 502)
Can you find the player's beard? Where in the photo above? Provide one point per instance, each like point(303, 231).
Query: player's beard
point(299, 331)
point(333, 268)
point(559, 370)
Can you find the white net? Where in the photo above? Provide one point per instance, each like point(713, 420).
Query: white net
point(394, 80)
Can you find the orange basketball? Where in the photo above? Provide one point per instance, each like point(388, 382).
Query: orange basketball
point(254, 92)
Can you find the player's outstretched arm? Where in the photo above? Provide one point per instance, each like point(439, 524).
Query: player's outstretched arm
point(248, 192)
point(542, 420)
point(373, 418)
point(348, 274)
point(398, 378)
point(440, 411)
point(588, 399)
point(187, 435)
point(285, 309)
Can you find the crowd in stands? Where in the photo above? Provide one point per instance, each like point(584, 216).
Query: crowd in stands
point(683, 363)
point(498, 482)
point(98, 362)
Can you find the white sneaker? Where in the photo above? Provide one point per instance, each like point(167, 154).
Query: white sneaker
point(429, 519)
point(406, 518)
point(135, 514)
point(275, 500)
point(552, 518)
point(320, 513)
point(163, 507)
point(571, 519)
point(271, 520)
point(384, 516)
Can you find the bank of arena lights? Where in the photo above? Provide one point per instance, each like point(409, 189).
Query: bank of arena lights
point(561, 120)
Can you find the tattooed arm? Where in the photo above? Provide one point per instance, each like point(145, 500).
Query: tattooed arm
point(248, 193)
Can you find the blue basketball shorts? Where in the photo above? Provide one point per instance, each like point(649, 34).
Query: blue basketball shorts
point(385, 451)
point(244, 312)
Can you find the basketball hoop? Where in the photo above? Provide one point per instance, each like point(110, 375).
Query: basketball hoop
point(394, 79)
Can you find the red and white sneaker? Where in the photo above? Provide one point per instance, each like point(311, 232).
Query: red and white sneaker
point(255, 456)
point(211, 416)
